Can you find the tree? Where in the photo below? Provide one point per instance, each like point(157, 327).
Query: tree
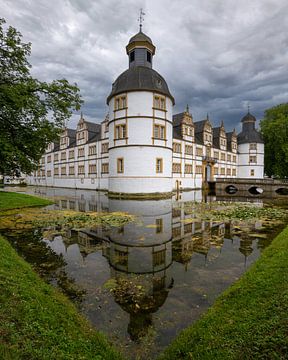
point(25, 106)
point(274, 129)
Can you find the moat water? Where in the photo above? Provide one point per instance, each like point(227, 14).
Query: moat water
point(143, 282)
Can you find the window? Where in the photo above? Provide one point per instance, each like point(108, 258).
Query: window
point(252, 159)
point(81, 152)
point(63, 155)
point(120, 165)
point(81, 169)
point(215, 170)
point(228, 172)
point(199, 151)
point(132, 56)
point(222, 171)
point(56, 157)
point(253, 146)
point(148, 56)
point(104, 148)
point(188, 149)
point(80, 135)
point(56, 171)
point(63, 170)
point(187, 130)
point(159, 165)
point(176, 168)
point(159, 226)
point(223, 156)
point(121, 257)
point(63, 140)
point(233, 172)
point(252, 172)
point(92, 169)
point(188, 228)
point(158, 257)
point(159, 131)
point(92, 150)
point(176, 212)
point(176, 147)
point(71, 154)
point(49, 159)
point(49, 173)
point(105, 168)
point(176, 231)
point(216, 154)
point(198, 169)
point(120, 102)
point(234, 158)
point(71, 170)
point(188, 169)
point(120, 131)
point(159, 102)
point(228, 157)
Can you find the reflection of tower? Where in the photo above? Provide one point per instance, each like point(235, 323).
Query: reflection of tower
point(140, 259)
point(246, 247)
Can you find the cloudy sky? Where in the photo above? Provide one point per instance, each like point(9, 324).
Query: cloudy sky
point(216, 55)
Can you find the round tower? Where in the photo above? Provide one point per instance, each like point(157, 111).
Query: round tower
point(250, 150)
point(140, 126)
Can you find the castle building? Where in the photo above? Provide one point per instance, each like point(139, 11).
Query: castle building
point(141, 148)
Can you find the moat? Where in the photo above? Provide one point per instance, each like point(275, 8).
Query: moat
point(143, 282)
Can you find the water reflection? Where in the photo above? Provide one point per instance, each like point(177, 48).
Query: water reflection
point(163, 271)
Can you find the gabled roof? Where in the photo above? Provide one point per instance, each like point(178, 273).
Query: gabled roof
point(199, 125)
point(177, 118)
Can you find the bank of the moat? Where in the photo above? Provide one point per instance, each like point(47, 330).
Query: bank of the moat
point(145, 280)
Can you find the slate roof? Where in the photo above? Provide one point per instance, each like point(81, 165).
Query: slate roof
point(199, 126)
point(71, 133)
point(249, 134)
point(177, 119)
point(140, 78)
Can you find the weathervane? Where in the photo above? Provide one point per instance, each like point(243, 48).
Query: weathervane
point(248, 108)
point(141, 18)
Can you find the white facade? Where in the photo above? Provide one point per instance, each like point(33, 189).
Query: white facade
point(251, 161)
point(141, 148)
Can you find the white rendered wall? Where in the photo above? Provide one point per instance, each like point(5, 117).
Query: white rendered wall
point(244, 167)
point(140, 150)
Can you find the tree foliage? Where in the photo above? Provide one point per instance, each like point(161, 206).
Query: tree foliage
point(274, 128)
point(26, 104)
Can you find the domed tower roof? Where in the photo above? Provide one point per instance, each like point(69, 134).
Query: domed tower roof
point(248, 118)
point(140, 78)
point(249, 134)
point(140, 36)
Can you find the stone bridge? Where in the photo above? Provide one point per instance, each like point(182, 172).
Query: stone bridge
point(247, 187)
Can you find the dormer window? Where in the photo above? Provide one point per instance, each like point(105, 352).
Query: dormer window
point(63, 141)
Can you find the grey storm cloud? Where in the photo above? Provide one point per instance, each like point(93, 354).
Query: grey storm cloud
point(217, 56)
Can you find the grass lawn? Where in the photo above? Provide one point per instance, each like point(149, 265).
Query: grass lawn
point(249, 320)
point(11, 200)
point(36, 320)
